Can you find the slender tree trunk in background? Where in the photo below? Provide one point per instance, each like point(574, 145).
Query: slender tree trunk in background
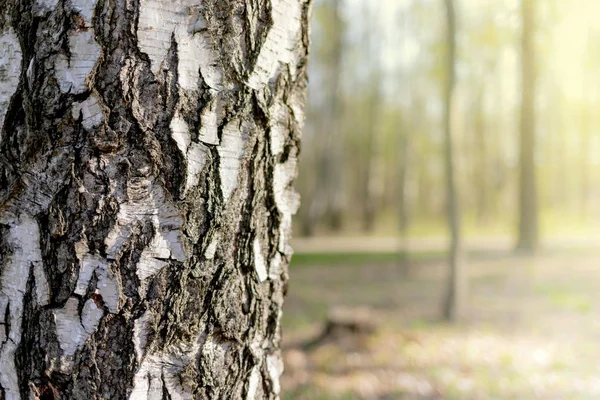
point(147, 152)
point(316, 205)
point(326, 202)
point(454, 300)
point(559, 189)
point(481, 159)
point(403, 163)
point(309, 219)
point(371, 183)
point(528, 209)
point(499, 132)
point(307, 184)
point(404, 169)
point(404, 134)
point(585, 163)
point(586, 133)
point(335, 166)
point(368, 206)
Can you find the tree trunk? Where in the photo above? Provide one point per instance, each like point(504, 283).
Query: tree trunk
point(528, 213)
point(455, 294)
point(147, 152)
point(559, 194)
point(585, 162)
point(404, 130)
point(403, 166)
point(403, 214)
point(371, 185)
point(372, 171)
point(334, 156)
point(481, 173)
point(586, 132)
point(325, 205)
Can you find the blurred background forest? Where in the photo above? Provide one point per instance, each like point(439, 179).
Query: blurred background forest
point(447, 243)
point(372, 155)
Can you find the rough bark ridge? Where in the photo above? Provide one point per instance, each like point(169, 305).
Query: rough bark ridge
point(147, 152)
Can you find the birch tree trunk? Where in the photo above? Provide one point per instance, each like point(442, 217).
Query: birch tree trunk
point(528, 209)
point(147, 153)
point(480, 169)
point(335, 160)
point(586, 132)
point(457, 280)
point(372, 185)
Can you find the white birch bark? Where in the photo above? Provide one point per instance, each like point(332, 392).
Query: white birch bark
point(147, 153)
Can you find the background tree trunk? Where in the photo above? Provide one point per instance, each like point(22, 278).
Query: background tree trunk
point(403, 211)
point(457, 279)
point(147, 153)
point(585, 162)
point(334, 156)
point(372, 175)
point(528, 212)
point(371, 185)
point(326, 202)
point(481, 173)
point(586, 130)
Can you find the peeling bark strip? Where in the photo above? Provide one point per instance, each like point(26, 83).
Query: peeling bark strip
point(147, 153)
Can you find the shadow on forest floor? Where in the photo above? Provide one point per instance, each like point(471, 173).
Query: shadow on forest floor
point(531, 331)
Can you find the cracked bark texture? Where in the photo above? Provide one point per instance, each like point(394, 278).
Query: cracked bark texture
point(147, 153)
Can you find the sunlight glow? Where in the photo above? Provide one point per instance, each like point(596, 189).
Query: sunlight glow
point(570, 54)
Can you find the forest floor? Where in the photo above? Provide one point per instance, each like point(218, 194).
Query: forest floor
point(531, 330)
